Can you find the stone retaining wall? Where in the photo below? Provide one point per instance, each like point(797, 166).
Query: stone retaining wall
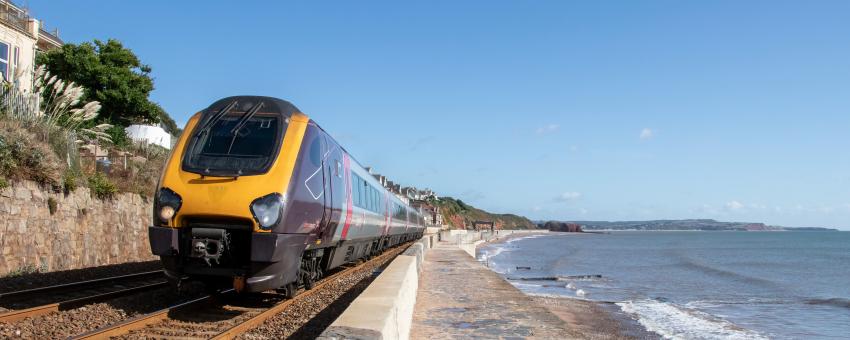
point(82, 231)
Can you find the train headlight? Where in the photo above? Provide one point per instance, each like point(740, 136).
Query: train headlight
point(167, 204)
point(267, 210)
point(166, 213)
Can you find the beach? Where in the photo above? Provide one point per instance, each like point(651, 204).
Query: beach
point(685, 285)
point(591, 319)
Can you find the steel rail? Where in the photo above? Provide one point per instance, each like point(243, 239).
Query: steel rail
point(143, 321)
point(257, 320)
point(80, 284)
point(16, 315)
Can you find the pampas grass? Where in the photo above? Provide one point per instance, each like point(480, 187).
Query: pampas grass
point(59, 109)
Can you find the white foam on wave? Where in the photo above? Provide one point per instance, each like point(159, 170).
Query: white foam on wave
point(555, 296)
point(523, 238)
point(524, 286)
point(673, 322)
point(493, 250)
point(702, 304)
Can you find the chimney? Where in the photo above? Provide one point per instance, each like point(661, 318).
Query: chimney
point(32, 27)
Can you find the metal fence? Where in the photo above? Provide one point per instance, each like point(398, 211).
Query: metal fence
point(16, 102)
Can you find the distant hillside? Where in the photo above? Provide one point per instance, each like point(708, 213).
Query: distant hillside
point(695, 224)
point(459, 214)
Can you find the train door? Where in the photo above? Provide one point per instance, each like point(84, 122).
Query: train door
point(332, 171)
point(306, 199)
point(336, 190)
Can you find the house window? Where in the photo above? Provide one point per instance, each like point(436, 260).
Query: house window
point(15, 57)
point(4, 60)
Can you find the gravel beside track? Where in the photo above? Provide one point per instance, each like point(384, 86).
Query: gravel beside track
point(305, 318)
point(37, 280)
point(72, 322)
point(308, 317)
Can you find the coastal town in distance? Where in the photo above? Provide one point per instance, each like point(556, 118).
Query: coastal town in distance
point(443, 170)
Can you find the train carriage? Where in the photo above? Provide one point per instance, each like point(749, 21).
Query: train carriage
point(255, 194)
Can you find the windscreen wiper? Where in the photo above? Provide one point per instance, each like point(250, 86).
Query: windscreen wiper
point(215, 118)
point(208, 125)
point(242, 122)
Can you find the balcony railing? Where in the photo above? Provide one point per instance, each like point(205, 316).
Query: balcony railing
point(13, 16)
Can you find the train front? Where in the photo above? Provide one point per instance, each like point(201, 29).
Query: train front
point(222, 196)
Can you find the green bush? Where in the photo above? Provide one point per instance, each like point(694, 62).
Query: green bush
point(69, 181)
point(3, 183)
point(101, 187)
point(23, 156)
point(7, 159)
point(25, 270)
point(52, 205)
point(119, 137)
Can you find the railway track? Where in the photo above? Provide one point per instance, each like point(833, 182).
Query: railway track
point(223, 315)
point(43, 300)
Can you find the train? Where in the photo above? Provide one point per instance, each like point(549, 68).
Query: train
point(257, 196)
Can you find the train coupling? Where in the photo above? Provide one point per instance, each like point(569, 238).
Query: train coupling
point(209, 244)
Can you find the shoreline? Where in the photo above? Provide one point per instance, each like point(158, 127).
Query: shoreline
point(593, 319)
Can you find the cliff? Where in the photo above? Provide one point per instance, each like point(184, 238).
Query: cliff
point(459, 214)
point(562, 226)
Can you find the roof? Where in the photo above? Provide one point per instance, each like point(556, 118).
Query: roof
point(244, 103)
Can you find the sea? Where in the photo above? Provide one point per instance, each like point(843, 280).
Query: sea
point(694, 284)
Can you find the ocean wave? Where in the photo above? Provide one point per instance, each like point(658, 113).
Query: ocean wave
point(698, 304)
point(834, 302)
point(522, 286)
point(557, 296)
point(672, 322)
point(699, 266)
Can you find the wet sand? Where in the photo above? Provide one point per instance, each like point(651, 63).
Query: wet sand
point(595, 320)
point(592, 319)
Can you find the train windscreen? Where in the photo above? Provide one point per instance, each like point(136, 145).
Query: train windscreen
point(235, 144)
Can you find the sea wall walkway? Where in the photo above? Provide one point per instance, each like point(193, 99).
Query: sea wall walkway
point(460, 298)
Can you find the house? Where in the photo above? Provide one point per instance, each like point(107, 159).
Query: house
point(21, 39)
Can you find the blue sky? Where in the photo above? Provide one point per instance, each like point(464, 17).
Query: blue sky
point(730, 110)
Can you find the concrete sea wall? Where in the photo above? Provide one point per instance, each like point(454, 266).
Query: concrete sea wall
point(385, 309)
point(470, 240)
point(81, 231)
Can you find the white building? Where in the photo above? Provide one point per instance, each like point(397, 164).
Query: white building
point(149, 134)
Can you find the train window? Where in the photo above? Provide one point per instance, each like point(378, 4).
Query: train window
point(355, 189)
point(355, 194)
point(369, 197)
point(365, 196)
point(365, 191)
point(338, 169)
point(233, 145)
point(316, 151)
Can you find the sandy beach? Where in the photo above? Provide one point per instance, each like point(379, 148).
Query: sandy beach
point(592, 319)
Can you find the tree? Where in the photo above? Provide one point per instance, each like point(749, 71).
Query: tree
point(112, 75)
